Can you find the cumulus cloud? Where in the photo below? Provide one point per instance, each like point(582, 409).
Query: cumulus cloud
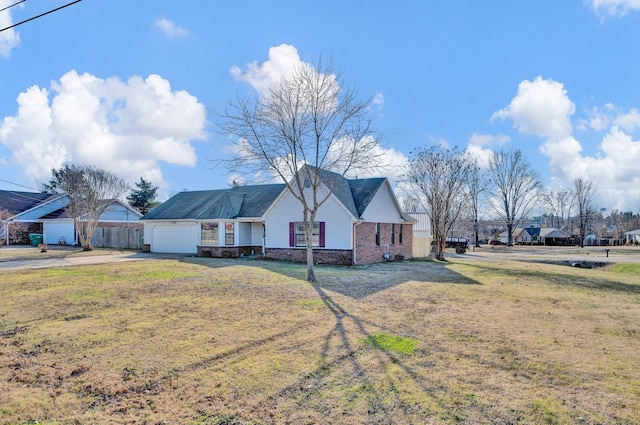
point(283, 59)
point(540, 107)
point(543, 108)
point(9, 39)
point(616, 8)
point(481, 147)
point(125, 127)
point(170, 29)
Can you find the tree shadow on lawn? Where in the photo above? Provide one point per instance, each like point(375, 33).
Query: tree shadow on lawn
point(583, 281)
point(358, 281)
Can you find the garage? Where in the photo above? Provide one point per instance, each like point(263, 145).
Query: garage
point(58, 232)
point(177, 238)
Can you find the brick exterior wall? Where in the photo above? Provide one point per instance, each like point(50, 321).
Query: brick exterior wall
point(228, 251)
point(299, 255)
point(367, 251)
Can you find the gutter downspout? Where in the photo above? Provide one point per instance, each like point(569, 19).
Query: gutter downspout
point(355, 244)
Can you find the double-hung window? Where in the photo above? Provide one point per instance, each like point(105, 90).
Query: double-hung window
point(209, 234)
point(229, 236)
point(297, 236)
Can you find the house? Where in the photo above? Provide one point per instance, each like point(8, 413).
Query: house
point(632, 237)
point(538, 235)
point(49, 211)
point(361, 222)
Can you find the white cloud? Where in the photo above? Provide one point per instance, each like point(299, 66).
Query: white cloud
point(283, 59)
point(8, 38)
point(480, 147)
point(616, 7)
point(378, 101)
point(170, 29)
point(543, 108)
point(125, 127)
point(540, 107)
point(629, 121)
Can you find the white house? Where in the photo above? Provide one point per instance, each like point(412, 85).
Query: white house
point(632, 237)
point(361, 222)
point(50, 211)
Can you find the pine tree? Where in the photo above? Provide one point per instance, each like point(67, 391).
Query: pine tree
point(144, 197)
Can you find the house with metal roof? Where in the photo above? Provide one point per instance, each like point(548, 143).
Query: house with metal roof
point(49, 211)
point(361, 222)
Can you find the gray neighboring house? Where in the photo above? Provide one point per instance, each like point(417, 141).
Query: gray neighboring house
point(117, 228)
point(361, 222)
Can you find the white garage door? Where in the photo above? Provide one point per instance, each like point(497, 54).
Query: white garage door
point(178, 238)
point(55, 232)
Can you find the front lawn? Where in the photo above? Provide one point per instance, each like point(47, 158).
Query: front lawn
point(206, 341)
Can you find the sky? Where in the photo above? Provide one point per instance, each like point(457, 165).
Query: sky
point(136, 87)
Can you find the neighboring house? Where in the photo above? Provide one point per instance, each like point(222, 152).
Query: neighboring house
point(12, 203)
point(422, 235)
point(538, 235)
point(361, 222)
point(57, 226)
point(632, 237)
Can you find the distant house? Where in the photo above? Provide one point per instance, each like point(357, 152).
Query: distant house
point(538, 235)
point(632, 237)
point(361, 222)
point(49, 211)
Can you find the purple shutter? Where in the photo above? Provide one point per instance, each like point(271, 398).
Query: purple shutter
point(321, 236)
point(292, 233)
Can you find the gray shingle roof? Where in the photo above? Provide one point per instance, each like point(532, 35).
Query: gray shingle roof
point(17, 202)
point(254, 200)
point(237, 202)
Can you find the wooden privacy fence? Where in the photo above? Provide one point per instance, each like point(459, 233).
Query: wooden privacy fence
point(117, 237)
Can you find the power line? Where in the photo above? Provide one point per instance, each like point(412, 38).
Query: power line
point(17, 184)
point(14, 4)
point(40, 15)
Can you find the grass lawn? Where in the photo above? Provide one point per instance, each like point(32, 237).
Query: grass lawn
point(206, 341)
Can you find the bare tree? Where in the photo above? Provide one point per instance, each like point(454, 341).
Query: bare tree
point(477, 186)
point(90, 190)
point(583, 193)
point(307, 119)
point(559, 204)
point(516, 187)
point(439, 177)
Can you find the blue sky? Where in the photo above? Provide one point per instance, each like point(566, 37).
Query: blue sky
point(134, 87)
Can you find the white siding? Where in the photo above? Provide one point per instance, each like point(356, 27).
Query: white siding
point(170, 237)
point(244, 234)
point(117, 212)
point(256, 234)
point(53, 231)
point(338, 223)
point(382, 208)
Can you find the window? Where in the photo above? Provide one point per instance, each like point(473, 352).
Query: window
point(228, 234)
point(297, 238)
point(393, 234)
point(400, 235)
point(377, 233)
point(209, 234)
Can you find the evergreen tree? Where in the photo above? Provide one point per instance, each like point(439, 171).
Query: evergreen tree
point(144, 197)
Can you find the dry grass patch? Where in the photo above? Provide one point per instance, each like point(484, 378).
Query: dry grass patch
point(205, 341)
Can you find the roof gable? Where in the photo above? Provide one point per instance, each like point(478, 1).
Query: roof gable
point(17, 202)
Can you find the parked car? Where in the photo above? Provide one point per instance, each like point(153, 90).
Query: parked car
point(496, 242)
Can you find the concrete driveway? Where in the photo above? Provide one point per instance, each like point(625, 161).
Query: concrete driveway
point(81, 260)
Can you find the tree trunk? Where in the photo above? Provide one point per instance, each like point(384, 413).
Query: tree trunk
point(308, 233)
point(438, 248)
